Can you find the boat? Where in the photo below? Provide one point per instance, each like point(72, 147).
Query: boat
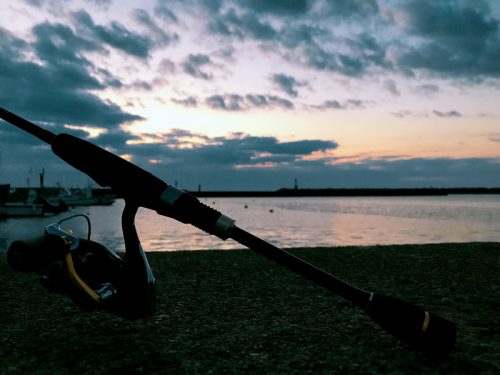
point(29, 208)
point(78, 197)
point(21, 209)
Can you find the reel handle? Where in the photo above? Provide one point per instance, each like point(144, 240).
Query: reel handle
point(34, 254)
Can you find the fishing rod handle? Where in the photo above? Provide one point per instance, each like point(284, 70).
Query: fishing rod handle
point(425, 331)
point(139, 187)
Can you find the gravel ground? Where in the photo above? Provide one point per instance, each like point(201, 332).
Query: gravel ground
point(226, 312)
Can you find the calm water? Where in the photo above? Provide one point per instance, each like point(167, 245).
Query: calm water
point(298, 222)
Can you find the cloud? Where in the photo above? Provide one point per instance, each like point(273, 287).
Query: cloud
point(186, 102)
point(352, 8)
point(242, 26)
point(428, 89)
point(193, 65)
point(391, 87)
point(243, 162)
point(287, 83)
point(456, 39)
point(234, 150)
point(56, 89)
point(448, 114)
point(59, 46)
point(228, 102)
point(278, 7)
point(351, 56)
point(335, 104)
point(161, 37)
point(407, 113)
point(426, 114)
point(236, 102)
point(161, 10)
point(449, 38)
point(296, 35)
point(116, 35)
point(495, 138)
point(166, 66)
point(57, 3)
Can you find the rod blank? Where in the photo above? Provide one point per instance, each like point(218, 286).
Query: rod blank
point(40, 133)
point(427, 332)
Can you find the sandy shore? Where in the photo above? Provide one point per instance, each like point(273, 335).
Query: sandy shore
point(237, 312)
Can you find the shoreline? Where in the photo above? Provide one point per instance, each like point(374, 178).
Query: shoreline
point(22, 192)
point(237, 312)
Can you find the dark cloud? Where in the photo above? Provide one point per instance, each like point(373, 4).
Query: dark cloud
point(448, 38)
point(243, 26)
point(61, 48)
point(186, 102)
point(295, 35)
point(351, 64)
point(193, 65)
point(139, 85)
point(347, 104)
point(391, 87)
point(116, 35)
point(54, 90)
point(236, 150)
point(235, 102)
point(426, 18)
point(367, 48)
point(103, 3)
point(161, 37)
point(458, 39)
point(278, 7)
point(299, 39)
point(163, 11)
point(428, 89)
point(352, 8)
point(447, 114)
point(166, 66)
point(266, 171)
point(243, 162)
point(115, 139)
point(57, 3)
point(287, 83)
point(425, 114)
point(228, 102)
point(50, 77)
point(11, 45)
point(406, 113)
point(35, 3)
point(270, 101)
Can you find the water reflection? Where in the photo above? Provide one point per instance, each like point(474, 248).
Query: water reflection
point(297, 222)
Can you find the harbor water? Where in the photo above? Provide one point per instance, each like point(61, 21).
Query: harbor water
point(295, 222)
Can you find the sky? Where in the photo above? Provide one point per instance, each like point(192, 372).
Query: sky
point(257, 94)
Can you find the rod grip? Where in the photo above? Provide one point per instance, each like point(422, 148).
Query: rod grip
point(427, 332)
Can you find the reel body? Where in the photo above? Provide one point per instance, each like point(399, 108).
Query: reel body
point(94, 277)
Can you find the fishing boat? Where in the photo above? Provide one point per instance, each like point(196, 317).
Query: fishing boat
point(29, 208)
point(21, 209)
point(84, 198)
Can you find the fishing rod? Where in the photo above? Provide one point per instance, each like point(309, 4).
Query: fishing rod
point(423, 330)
